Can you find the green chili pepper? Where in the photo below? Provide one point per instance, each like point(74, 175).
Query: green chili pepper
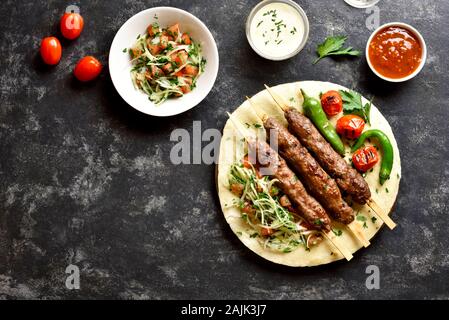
point(313, 110)
point(387, 149)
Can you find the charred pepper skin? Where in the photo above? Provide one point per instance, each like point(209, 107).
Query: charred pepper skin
point(387, 151)
point(314, 111)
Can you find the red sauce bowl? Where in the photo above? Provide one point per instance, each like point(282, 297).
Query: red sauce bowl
point(396, 52)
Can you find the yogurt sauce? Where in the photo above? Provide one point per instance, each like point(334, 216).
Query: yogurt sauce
point(277, 30)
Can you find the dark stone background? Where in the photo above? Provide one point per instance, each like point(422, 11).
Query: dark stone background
point(85, 179)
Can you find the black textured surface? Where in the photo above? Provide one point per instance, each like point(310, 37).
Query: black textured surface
point(85, 179)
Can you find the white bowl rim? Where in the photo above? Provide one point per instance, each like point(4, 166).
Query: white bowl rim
point(214, 49)
point(421, 42)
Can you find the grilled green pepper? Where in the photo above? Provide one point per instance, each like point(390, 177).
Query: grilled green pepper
point(314, 111)
point(387, 150)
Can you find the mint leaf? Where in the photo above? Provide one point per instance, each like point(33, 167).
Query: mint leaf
point(332, 46)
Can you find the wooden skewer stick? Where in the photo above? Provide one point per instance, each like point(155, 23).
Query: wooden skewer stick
point(381, 214)
point(354, 228)
point(330, 235)
point(279, 101)
point(371, 203)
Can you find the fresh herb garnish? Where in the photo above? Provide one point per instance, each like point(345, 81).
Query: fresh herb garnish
point(260, 22)
point(373, 219)
point(362, 219)
point(333, 46)
point(352, 104)
point(337, 232)
point(257, 126)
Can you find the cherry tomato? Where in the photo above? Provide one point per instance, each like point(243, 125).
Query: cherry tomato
point(87, 69)
point(71, 25)
point(51, 50)
point(365, 158)
point(350, 126)
point(332, 103)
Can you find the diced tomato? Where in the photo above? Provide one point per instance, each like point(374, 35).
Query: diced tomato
point(154, 48)
point(365, 158)
point(163, 42)
point(156, 72)
point(179, 74)
point(169, 37)
point(179, 57)
point(168, 68)
point(350, 126)
point(332, 103)
point(185, 39)
point(248, 209)
point(173, 30)
point(153, 29)
point(246, 162)
point(237, 189)
point(266, 232)
point(186, 88)
point(136, 53)
point(285, 201)
point(191, 70)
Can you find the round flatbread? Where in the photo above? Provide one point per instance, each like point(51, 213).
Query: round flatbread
point(323, 253)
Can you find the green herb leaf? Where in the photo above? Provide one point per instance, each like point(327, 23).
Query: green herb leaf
point(373, 219)
point(254, 235)
point(352, 104)
point(332, 46)
point(361, 218)
point(337, 232)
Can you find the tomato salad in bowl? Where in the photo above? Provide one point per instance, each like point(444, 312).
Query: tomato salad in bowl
point(158, 56)
point(166, 63)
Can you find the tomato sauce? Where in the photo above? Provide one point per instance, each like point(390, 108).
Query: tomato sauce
point(395, 52)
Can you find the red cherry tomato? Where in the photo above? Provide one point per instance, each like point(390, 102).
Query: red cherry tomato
point(332, 103)
point(51, 50)
point(71, 25)
point(350, 126)
point(365, 158)
point(87, 69)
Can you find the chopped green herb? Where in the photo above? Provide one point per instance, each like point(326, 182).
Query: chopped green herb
point(254, 235)
point(373, 219)
point(337, 232)
point(125, 50)
point(318, 222)
point(386, 190)
point(239, 233)
point(257, 126)
point(260, 22)
point(361, 218)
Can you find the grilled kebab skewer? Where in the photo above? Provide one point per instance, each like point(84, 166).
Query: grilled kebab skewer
point(309, 208)
point(317, 181)
point(347, 178)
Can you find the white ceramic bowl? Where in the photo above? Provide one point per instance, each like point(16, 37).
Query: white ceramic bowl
point(120, 66)
point(418, 36)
